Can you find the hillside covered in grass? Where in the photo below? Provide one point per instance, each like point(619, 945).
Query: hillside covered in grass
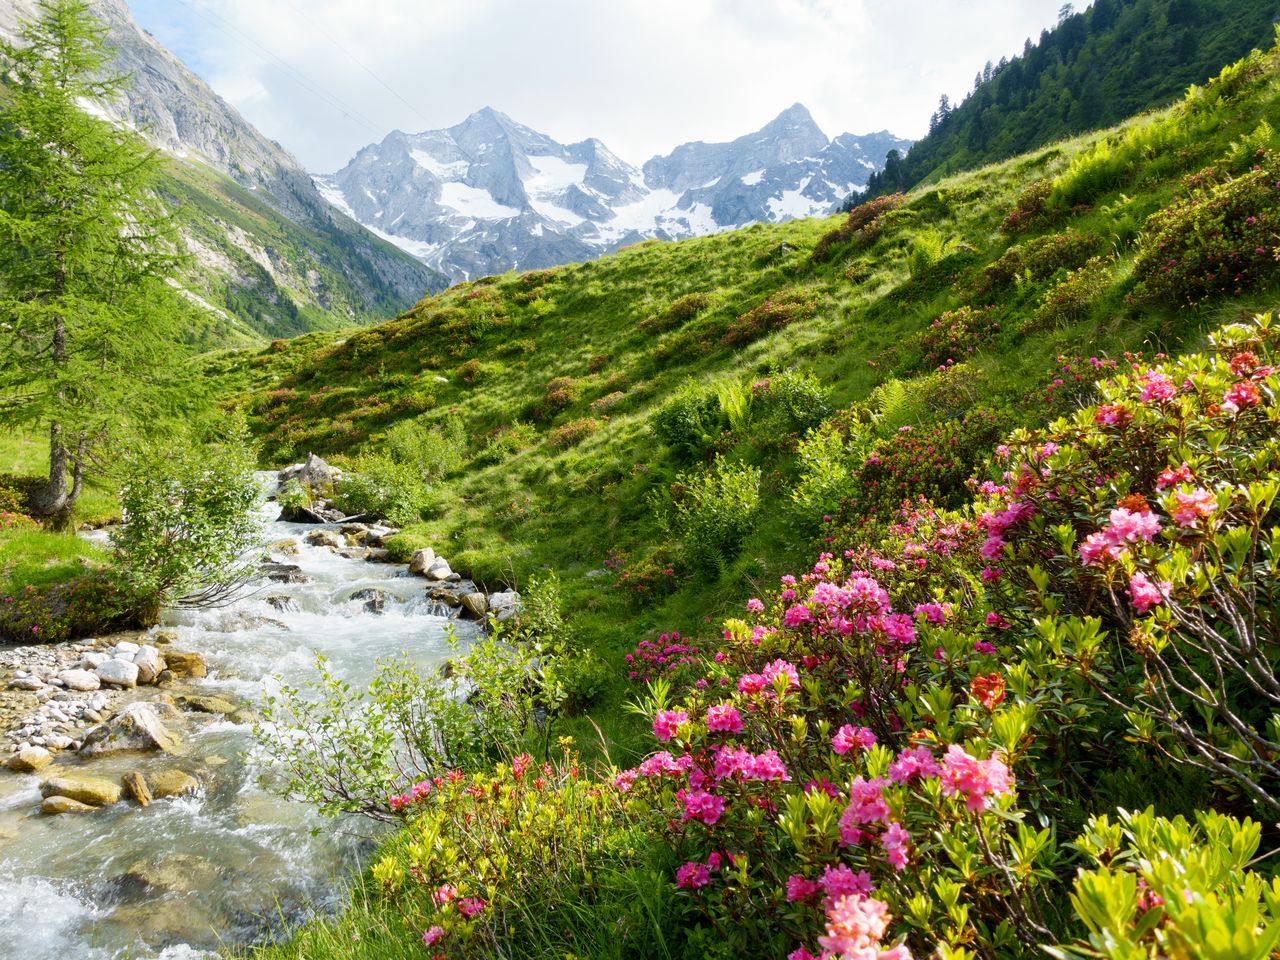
point(957, 519)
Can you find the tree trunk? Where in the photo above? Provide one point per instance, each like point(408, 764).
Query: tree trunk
point(50, 501)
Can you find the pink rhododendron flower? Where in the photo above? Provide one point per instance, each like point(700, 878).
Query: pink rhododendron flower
point(1169, 476)
point(866, 806)
point(839, 881)
point(848, 737)
point(1156, 387)
point(1241, 396)
point(692, 875)
point(766, 766)
point(1189, 508)
point(781, 668)
point(934, 614)
point(796, 615)
point(982, 646)
point(974, 779)
point(755, 605)
point(432, 935)
point(625, 779)
point(445, 893)
point(800, 889)
point(703, 806)
point(1133, 525)
point(667, 722)
point(800, 953)
point(855, 927)
point(914, 763)
point(1112, 415)
point(1146, 594)
point(471, 906)
point(895, 841)
point(724, 718)
point(751, 683)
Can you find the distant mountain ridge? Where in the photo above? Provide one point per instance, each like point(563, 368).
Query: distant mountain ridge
point(490, 194)
point(271, 256)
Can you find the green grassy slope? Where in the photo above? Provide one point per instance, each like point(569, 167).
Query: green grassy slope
point(256, 273)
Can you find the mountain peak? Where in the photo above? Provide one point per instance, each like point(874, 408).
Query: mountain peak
point(795, 122)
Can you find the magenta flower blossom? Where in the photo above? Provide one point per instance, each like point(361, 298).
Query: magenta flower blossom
point(895, 841)
point(848, 737)
point(839, 881)
point(855, 927)
point(692, 875)
point(667, 722)
point(801, 890)
point(974, 779)
point(1146, 594)
point(703, 806)
point(914, 763)
point(766, 766)
point(1241, 396)
point(724, 718)
point(755, 605)
point(432, 935)
point(1156, 387)
point(1189, 508)
point(866, 806)
point(781, 668)
point(471, 906)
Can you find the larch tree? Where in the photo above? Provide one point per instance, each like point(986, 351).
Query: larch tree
point(88, 321)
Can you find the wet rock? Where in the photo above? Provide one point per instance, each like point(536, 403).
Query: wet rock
point(378, 536)
point(81, 680)
point(445, 595)
point(375, 601)
point(29, 760)
point(287, 547)
point(244, 717)
point(439, 569)
point(203, 704)
point(173, 783)
point(300, 514)
point(176, 873)
point(94, 791)
point(137, 727)
point(378, 555)
point(26, 683)
point(125, 649)
point(278, 601)
point(149, 664)
point(354, 553)
point(505, 604)
point(326, 538)
point(164, 637)
point(135, 785)
point(55, 805)
point(118, 673)
point(476, 604)
point(421, 560)
point(283, 572)
point(183, 664)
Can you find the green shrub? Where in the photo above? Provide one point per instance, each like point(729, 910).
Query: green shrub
point(681, 311)
point(789, 402)
point(506, 442)
point(1040, 258)
point(690, 422)
point(572, 433)
point(434, 450)
point(560, 393)
point(929, 247)
point(16, 491)
point(713, 511)
point(1070, 300)
point(772, 313)
point(955, 335)
point(1218, 239)
point(377, 486)
point(1029, 210)
point(863, 225)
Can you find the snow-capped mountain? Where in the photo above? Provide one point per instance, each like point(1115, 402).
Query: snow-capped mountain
point(490, 195)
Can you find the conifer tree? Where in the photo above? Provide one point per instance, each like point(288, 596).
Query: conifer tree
point(87, 322)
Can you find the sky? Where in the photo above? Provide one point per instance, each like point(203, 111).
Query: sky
point(326, 77)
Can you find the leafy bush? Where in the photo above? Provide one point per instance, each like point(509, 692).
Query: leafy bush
point(789, 402)
point(1029, 210)
point(713, 511)
point(507, 441)
point(690, 422)
point(434, 450)
point(929, 247)
point(1219, 239)
point(863, 225)
point(955, 335)
point(648, 579)
point(1041, 258)
point(85, 605)
point(190, 520)
point(572, 433)
point(678, 313)
point(772, 313)
point(1070, 300)
point(16, 490)
point(377, 486)
point(560, 393)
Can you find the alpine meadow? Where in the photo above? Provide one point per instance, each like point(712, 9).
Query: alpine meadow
point(847, 548)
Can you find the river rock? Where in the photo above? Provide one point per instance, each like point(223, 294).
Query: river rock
point(176, 873)
point(94, 791)
point(281, 602)
point(163, 638)
point(125, 649)
point(183, 664)
point(118, 673)
point(299, 514)
point(29, 760)
point(26, 683)
point(135, 785)
point(378, 555)
point(326, 538)
point(149, 664)
point(476, 604)
point(137, 727)
point(421, 560)
point(80, 680)
point(439, 569)
point(283, 572)
point(173, 783)
point(505, 604)
point(55, 805)
point(92, 658)
point(203, 704)
point(375, 600)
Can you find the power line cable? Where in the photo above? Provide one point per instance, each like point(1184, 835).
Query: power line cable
point(297, 75)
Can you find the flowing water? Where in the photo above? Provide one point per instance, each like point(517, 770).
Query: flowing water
point(189, 875)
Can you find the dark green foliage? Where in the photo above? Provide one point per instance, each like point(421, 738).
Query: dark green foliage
point(955, 335)
point(861, 226)
point(772, 313)
point(1095, 68)
point(689, 422)
point(1041, 258)
point(682, 310)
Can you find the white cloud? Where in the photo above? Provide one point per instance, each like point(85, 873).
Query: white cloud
point(642, 75)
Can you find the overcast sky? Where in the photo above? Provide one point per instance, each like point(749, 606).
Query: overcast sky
point(326, 77)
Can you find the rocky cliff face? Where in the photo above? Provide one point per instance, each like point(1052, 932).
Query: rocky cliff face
point(491, 194)
point(321, 269)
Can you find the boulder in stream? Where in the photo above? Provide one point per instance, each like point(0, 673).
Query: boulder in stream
point(375, 600)
point(29, 760)
point(206, 704)
point(326, 538)
point(283, 572)
point(421, 560)
point(439, 569)
point(52, 806)
point(149, 663)
point(180, 663)
point(135, 785)
point(173, 783)
point(137, 727)
point(117, 673)
point(93, 791)
point(81, 680)
point(476, 604)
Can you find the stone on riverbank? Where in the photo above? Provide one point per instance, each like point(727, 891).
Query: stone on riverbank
point(326, 538)
point(137, 727)
point(421, 560)
point(181, 663)
point(52, 806)
point(439, 569)
point(135, 785)
point(203, 704)
point(80, 680)
point(149, 663)
point(117, 673)
point(476, 604)
point(505, 605)
point(29, 760)
point(93, 791)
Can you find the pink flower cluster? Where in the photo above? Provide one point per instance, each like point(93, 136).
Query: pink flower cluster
point(1188, 509)
point(973, 779)
point(856, 925)
point(848, 737)
point(1125, 527)
point(1156, 387)
point(1146, 594)
point(419, 791)
point(667, 722)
